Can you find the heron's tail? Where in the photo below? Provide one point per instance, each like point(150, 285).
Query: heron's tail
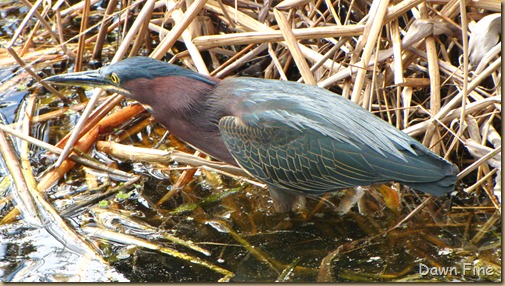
point(440, 187)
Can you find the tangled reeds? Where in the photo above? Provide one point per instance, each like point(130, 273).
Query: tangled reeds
point(409, 62)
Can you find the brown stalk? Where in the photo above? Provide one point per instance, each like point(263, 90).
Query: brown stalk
point(52, 177)
point(102, 33)
point(187, 36)
point(179, 28)
point(277, 36)
point(120, 175)
point(108, 123)
point(432, 135)
point(294, 47)
point(25, 203)
point(142, 34)
point(82, 35)
point(373, 27)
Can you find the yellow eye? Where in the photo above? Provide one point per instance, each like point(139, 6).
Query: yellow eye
point(114, 78)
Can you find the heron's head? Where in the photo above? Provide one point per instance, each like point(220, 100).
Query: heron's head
point(129, 76)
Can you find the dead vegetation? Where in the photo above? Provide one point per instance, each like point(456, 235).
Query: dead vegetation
point(409, 62)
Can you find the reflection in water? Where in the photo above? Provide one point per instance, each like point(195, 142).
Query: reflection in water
point(33, 255)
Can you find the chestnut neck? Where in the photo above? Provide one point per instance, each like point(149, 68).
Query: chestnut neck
point(186, 107)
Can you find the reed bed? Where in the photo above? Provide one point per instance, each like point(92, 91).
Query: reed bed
point(413, 63)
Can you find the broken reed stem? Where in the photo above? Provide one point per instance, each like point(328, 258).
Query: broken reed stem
point(82, 36)
point(294, 48)
point(179, 28)
point(369, 39)
point(242, 38)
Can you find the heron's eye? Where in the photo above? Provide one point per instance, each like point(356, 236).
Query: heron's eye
point(114, 78)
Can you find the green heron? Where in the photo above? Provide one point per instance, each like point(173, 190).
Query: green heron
point(298, 139)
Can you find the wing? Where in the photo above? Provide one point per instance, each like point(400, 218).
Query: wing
point(272, 103)
point(312, 163)
point(300, 137)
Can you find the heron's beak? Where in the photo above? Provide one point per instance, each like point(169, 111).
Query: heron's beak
point(86, 79)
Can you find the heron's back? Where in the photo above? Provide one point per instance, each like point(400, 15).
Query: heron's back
point(301, 138)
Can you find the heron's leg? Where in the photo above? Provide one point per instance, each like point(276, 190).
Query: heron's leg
point(285, 201)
